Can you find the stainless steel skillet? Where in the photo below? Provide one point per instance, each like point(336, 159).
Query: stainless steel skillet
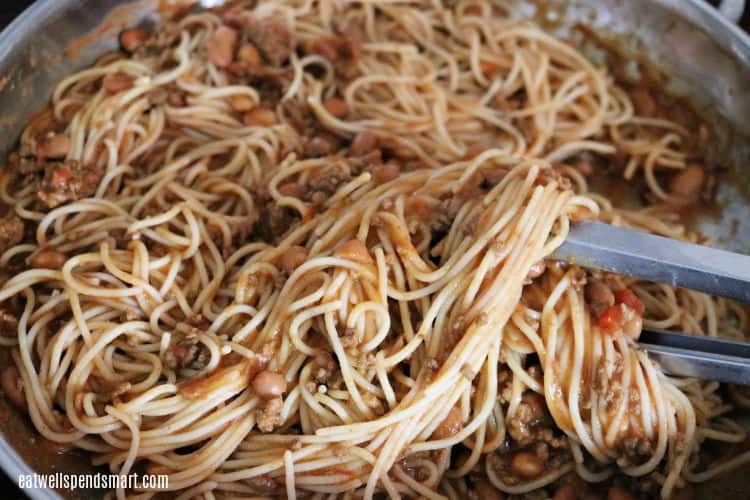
point(703, 54)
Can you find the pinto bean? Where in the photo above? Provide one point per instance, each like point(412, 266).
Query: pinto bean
point(132, 39)
point(55, 146)
point(269, 385)
point(294, 189)
point(385, 172)
point(48, 259)
point(260, 117)
point(322, 144)
point(249, 56)
point(364, 142)
point(117, 82)
point(527, 465)
point(689, 182)
point(337, 107)
point(241, 103)
point(221, 46)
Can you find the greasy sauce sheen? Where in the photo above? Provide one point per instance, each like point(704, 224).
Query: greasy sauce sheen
point(299, 249)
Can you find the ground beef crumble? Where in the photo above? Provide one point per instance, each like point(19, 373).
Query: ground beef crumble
point(11, 231)
point(268, 417)
point(67, 181)
point(272, 38)
point(187, 353)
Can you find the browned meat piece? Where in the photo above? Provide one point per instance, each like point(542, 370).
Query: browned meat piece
point(636, 449)
point(299, 116)
point(108, 389)
point(342, 52)
point(271, 37)
point(67, 181)
point(270, 83)
point(328, 179)
point(531, 415)
point(599, 296)
point(23, 165)
point(165, 36)
point(327, 367)
point(187, 353)
point(11, 231)
point(268, 416)
point(119, 389)
point(276, 221)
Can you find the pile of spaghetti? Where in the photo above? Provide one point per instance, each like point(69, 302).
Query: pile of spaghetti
point(298, 248)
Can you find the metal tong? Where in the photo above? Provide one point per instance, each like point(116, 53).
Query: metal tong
point(677, 263)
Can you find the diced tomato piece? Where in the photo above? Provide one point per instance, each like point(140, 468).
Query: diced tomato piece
point(61, 176)
point(630, 299)
point(611, 319)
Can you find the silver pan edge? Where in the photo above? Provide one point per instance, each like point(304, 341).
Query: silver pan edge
point(705, 56)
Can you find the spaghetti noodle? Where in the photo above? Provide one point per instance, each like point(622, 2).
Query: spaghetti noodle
point(298, 249)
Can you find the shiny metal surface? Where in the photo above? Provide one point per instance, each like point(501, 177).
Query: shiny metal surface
point(705, 358)
point(655, 258)
point(705, 55)
point(677, 263)
point(732, 9)
point(38, 49)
